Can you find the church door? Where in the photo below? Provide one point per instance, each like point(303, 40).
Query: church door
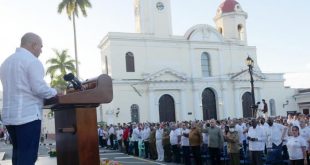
point(208, 104)
point(246, 104)
point(166, 108)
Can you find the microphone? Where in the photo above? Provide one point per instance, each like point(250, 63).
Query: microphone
point(77, 85)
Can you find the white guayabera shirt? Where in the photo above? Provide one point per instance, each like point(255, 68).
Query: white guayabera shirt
point(23, 88)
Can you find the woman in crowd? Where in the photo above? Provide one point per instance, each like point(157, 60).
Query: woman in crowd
point(296, 146)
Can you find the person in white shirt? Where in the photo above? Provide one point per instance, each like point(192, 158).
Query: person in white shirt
point(136, 136)
point(264, 126)
point(305, 134)
point(275, 134)
point(205, 139)
point(119, 135)
point(260, 108)
point(295, 121)
point(105, 137)
point(24, 90)
point(256, 139)
point(241, 128)
point(159, 144)
point(100, 135)
point(175, 133)
point(296, 147)
point(185, 144)
point(112, 136)
point(289, 119)
point(146, 131)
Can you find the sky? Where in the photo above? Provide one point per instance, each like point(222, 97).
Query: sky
point(278, 28)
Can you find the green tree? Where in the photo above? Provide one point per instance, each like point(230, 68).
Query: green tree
point(58, 67)
point(73, 7)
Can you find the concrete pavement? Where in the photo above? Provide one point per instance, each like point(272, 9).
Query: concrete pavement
point(44, 159)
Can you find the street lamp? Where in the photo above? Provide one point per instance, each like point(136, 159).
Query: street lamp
point(250, 63)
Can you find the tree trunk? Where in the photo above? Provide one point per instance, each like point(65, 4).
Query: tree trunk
point(75, 48)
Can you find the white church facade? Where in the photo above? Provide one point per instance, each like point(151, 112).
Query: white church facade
point(158, 76)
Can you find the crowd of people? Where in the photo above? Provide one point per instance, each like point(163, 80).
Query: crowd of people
point(253, 140)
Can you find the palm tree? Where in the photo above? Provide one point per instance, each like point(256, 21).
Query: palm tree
point(72, 7)
point(58, 67)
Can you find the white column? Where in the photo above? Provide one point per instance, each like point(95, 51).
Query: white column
point(223, 108)
point(153, 116)
point(197, 108)
point(178, 108)
point(238, 104)
point(183, 113)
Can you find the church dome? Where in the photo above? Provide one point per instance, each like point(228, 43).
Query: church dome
point(229, 6)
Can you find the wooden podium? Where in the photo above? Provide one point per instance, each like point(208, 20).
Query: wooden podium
point(76, 121)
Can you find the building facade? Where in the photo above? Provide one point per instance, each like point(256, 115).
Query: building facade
point(302, 98)
point(158, 76)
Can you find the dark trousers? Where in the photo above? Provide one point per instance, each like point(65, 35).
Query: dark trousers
point(126, 144)
point(176, 153)
point(120, 145)
point(186, 155)
point(135, 145)
point(167, 153)
point(153, 152)
point(297, 162)
point(234, 158)
point(215, 156)
point(100, 141)
point(256, 157)
point(105, 141)
point(285, 155)
point(244, 145)
point(25, 141)
point(205, 149)
point(112, 141)
point(274, 154)
point(307, 154)
point(146, 148)
point(197, 154)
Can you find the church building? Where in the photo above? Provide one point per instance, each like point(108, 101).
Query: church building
point(158, 76)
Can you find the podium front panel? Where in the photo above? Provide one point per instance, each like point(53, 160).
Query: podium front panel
point(76, 136)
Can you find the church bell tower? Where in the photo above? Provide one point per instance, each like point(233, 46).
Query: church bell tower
point(153, 17)
point(230, 21)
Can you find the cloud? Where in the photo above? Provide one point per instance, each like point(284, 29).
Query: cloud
point(308, 66)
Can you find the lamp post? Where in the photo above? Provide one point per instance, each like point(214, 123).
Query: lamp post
point(250, 63)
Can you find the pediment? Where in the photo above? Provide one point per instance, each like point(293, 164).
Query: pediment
point(244, 75)
point(165, 75)
point(203, 32)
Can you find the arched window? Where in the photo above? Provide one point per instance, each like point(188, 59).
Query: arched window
point(220, 30)
point(272, 107)
point(134, 110)
point(205, 64)
point(241, 31)
point(130, 62)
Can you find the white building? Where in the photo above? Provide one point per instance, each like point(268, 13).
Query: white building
point(158, 76)
point(302, 98)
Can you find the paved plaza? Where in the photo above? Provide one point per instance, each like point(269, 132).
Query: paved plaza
point(44, 158)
